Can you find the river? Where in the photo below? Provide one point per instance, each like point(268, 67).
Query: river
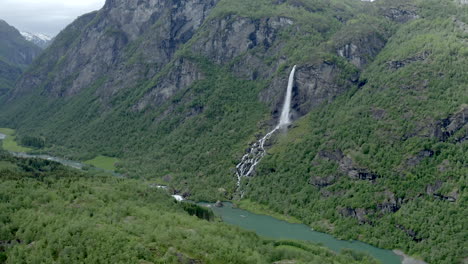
point(264, 225)
point(270, 227)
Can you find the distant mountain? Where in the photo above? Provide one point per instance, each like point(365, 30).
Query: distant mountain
point(40, 40)
point(15, 55)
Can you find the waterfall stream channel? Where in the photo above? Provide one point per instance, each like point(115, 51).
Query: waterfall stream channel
point(256, 152)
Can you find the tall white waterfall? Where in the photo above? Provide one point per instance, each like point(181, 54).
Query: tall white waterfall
point(257, 151)
point(284, 119)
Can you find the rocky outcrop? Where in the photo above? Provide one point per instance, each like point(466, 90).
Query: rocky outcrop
point(397, 64)
point(390, 204)
point(346, 166)
point(454, 127)
point(356, 172)
point(359, 213)
point(434, 190)
point(361, 49)
point(401, 14)
point(415, 160)
point(448, 127)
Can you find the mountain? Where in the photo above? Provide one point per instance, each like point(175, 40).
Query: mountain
point(38, 39)
point(15, 55)
point(178, 90)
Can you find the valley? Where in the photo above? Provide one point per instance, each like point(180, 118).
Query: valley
point(350, 117)
point(265, 226)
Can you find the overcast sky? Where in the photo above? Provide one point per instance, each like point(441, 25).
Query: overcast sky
point(45, 16)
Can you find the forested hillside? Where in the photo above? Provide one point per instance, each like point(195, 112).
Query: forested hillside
point(53, 214)
point(177, 90)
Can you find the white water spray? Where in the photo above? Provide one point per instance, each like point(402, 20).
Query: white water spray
point(285, 113)
point(257, 151)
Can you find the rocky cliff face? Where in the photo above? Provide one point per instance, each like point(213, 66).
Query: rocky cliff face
point(124, 42)
point(128, 43)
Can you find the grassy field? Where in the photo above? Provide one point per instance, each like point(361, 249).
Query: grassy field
point(9, 142)
point(103, 162)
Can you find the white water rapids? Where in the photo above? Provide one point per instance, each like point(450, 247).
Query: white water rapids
point(257, 151)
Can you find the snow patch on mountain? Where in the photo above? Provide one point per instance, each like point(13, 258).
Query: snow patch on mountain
point(39, 39)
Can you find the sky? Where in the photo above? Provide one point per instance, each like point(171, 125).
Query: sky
point(45, 16)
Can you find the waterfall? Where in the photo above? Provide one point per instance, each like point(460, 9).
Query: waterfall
point(284, 119)
point(256, 152)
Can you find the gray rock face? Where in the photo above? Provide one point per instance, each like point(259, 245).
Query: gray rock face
point(454, 127)
point(231, 36)
point(359, 213)
point(361, 50)
point(395, 65)
point(183, 74)
point(401, 14)
point(130, 42)
point(346, 166)
point(446, 128)
point(125, 41)
point(314, 85)
point(390, 203)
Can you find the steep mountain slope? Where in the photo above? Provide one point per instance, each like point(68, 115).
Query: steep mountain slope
point(178, 89)
point(15, 55)
point(41, 40)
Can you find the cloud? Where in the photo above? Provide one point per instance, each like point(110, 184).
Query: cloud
point(45, 16)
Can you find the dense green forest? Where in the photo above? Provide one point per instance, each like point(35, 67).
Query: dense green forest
point(52, 214)
point(383, 159)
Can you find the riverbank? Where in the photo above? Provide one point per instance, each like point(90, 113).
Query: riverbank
point(257, 208)
point(407, 259)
